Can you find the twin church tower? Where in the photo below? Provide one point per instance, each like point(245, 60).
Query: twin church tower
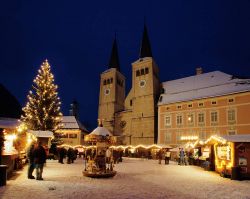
point(133, 117)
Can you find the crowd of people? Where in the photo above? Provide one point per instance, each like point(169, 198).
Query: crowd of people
point(37, 157)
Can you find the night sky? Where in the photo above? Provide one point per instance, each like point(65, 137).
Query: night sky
point(76, 37)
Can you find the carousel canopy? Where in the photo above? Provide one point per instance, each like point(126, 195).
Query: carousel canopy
point(101, 131)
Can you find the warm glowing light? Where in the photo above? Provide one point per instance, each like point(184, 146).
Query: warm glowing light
point(186, 138)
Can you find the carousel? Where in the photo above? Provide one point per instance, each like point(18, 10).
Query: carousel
point(98, 157)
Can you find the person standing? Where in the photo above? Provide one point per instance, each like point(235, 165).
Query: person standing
point(167, 156)
point(39, 160)
point(62, 153)
point(182, 156)
point(160, 156)
point(30, 156)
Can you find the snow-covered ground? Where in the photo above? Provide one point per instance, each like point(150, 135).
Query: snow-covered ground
point(136, 178)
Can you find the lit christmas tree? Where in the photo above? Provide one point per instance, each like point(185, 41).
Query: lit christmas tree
point(42, 111)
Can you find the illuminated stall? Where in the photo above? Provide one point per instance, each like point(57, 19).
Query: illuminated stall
point(11, 149)
point(232, 155)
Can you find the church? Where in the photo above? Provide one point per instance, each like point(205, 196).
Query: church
point(132, 118)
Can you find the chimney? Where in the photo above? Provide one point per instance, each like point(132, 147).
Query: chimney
point(199, 71)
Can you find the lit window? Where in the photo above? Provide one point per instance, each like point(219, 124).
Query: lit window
point(190, 118)
point(64, 135)
point(73, 135)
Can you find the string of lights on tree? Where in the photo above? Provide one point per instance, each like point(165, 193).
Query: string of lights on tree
point(42, 111)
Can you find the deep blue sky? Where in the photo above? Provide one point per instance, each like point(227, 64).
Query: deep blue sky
point(76, 37)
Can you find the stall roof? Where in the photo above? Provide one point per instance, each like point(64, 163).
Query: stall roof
point(237, 138)
point(43, 134)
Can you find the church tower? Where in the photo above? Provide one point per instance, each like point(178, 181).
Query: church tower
point(112, 91)
point(146, 90)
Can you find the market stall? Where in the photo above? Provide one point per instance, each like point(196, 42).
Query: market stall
point(232, 155)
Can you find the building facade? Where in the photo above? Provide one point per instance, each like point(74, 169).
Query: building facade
point(72, 131)
point(199, 106)
point(132, 117)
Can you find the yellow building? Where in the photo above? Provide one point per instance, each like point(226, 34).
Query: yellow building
point(202, 105)
point(132, 117)
point(72, 131)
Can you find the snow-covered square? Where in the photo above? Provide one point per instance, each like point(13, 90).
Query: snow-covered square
point(136, 178)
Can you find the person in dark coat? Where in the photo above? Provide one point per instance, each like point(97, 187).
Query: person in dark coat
point(30, 156)
point(62, 153)
point(39, 160)
point(70, 155)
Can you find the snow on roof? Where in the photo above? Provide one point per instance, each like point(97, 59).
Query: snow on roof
point(43, 134)
point(202, 86)
point(101, 131)
point(69, 122)
point(237, 138)
point(9, 123)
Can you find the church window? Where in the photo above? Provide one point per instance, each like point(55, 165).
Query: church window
point(142, 71)
point(131, 102)
point(108, 81)
point(104, 82)
point(111, 81)
point(146, 71)
point(137, 73)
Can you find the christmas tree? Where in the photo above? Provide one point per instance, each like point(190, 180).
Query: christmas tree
point(42, 111)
